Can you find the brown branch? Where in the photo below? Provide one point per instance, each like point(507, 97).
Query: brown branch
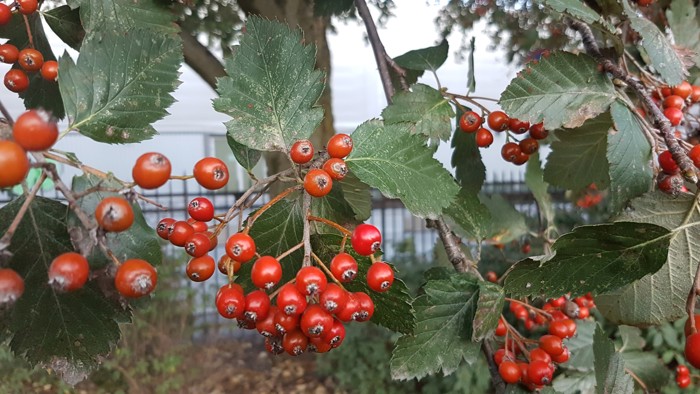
point(306, 208)
point(200, 58)
point(7, 237)
point(499, 385)
point(380, 54)
point(457, 258)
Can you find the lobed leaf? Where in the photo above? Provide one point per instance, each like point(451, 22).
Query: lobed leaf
point(245, 156)
point(114, 16)
point(611, 377)
point(65, 22)
point(358, 195)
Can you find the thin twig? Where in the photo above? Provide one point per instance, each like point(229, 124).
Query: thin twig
point(6, 114)
point(29, 31)
point(328, 272)
point(7, 237)
point(290, 251)
point(306, 208)
point(330, 223)
point(380, 54)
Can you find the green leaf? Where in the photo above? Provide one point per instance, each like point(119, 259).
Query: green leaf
point(425, 109)
point(358, 195)
point(400, 165)
point(140, 240)
point(506, 222)
point(116, 16)
point(332, 7)
point(470, 171)
point(683, 21)
point(430, 58)
point(272, 88)
point(65, 22)
point(663, 57)
point(471, 80)
point(534, 179)
point(631, 338)
point(648, 368)
point(581, 347)
point(629, 155)
point(659, 297)
point(41, 93)
point(583, 383)
point(245, 156)
point(473, 219)
point(440, 340)
point(579, 157)
point(579, 10)
point(596, 259)
point(488, 310)
point(120, 84)
point(563, 89)
point(78, 327)
point(609, 367)
point(333, 207)
point(392, 309)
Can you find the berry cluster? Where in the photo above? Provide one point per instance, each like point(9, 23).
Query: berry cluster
point(682, 376)
point(33, 131)
point(319, 181)
point(514, 150)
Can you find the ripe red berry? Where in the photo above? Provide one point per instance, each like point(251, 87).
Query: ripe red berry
point(335, 335)
point(311, 281)
point(518, 126)
point(538, 132)
point(49, 71)
point(498, 120)
point(16, 81)
point(539, 372)
point(290, 301)
point(114, 214)
point(491, 277)
point(11, 286)
point(164, 226)
point(684, 90)
point(285, 323)
point(230, 301)
point(551, 344)
point(273, 345)
point(315, 321)
point(668, 165)
point(30, 59)
point(351, 310)
point(380, 277)
point(201, 268)
point(295, 342)
point(692, 349)
point(302, 151)
point(266, 272)
point(68, 272)
point(336, 168)
point(180, 232)
point(674, 115)
point(14, 164)
point(501, 328)
point(257, 306)
point(559, 328)
point(470, 121)
point(683, 381)
point(333, 299)
point(211, 173)
point(529, 146)
point(27, 7)
point(35, 130)
point(674, 101)
point(502, 355)
point(225, 263)
point(5, 15)
point(8, 52)
point(570, 325)
point(317, 182)
point(484, 138)
point(682, 370)
point(510, 372)
point(339, 146)
point(151, 170)
point(366, 309)
point(366, 239)
point(563, 357)
point(344, 267)
point(694, 155)
point(510, 151)
point(266, 325)
point(583, 312)
point(688, 328)
point(197, 226)
point(695, 96)
point(240, 247)
point(201, 209)
point(135, 278)
point(540, 354)
point(318, 345)
point(521, 159)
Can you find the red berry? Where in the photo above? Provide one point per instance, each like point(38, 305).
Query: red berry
point(539, 372)
point(201, 268)
point(540, 354)
point(366, 239)
point(197, 245)
point(692, 350)
point(257, 306)
point(333, 299)
point(5, 15)
point(571, 327)
point(295, 342)
point(684, 90)
point(266, 272)
point(285, 323)
point(164, 226)
point(695, 96)
point(211, 173)
point(501, 328)
point(529, 146)
point(538, 132)
point(240, 247)
point(668, 165)
point(344, 267)
point(510, 151)
point(583, 312)
point(498, 120)
point(563, 357)
point(16, 81)
point(197, 226)
point(484, 138)
point(317, 182)
point(518, 126)
point(135, 278)
point(14, 164)
point(336, 168)
point(151, 170)
point(302, 151)
point(551, 344)
point(201, 209)
point(674, 115)
point(315, 321)
point(266, 325)
point(318, 345)
point(492, 277)
point(290, 301)
point(8, 52)
point(674, 101)
point(501, 355)
point(688, 328)
point(11, 286)
point(273, 345)
point(683, 381)
point(366, 309)
point(230, 301)
point(225, 264)
point(694, 155)
point(27, 7)
point(335, 335)
point(68, 272)
point(521, 159)
point(470, 121)
point(510, 372)
point(114, 214)
point(339, 146)
point(311, 281)
point(49, 71)
point(30, 59)
point(682, 370)
point(559, 328)
point(380, 276)
point(180, 232)
point(351, 310)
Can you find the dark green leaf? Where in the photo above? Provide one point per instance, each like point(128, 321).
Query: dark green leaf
point(470, 171)
point(65, 22)
point(563, 89)
point(581, 347)
point(579, 10)
point(648, 368)
point(114, 16)
point(684, 23)
point(333, 207)
point(120, 84)
point(430, 58)
point(472, 218)
point(534, 179)
point(579, 157)
point(400, 165)
point(609, 367)
point(488, 310)
point(441, 339)
point(471, 80)
point(272, 88)
point(245, 156)
point(596, 259)
point(78, 327)
point(332, 7)
point(358, 195)
point(577, 382)
point(425, 109)
point(506, 222)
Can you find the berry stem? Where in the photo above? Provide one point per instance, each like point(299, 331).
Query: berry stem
point(274, 293)
point(29, 197)
point(306, 238)
point(639, 381)
point(6, 114)
point(290, 251)
point(470, 100)
point(533, 308)
point(29, 31)
point(181, 177)
point(326, 270)
point(331, 223)
point(342, 243)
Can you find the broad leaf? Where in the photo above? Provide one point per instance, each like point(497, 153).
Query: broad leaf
point(400, 165)
point(473, 219)
point(488, 310)
point(579, 10)
point(78, 327)
point(684, 23)
point(333, 207)
point(441, 339)
point(581, 347)
point(424, 109)
point(563, 89)
point(659, 297)
point(430, 58)
point(629, 155)
point(392, 309)
point(470, 171)
point(534, 179)
point(609, 367)
point(631, 338)
point(358, 195)
point(579, 157)
point(506, 222)
point(272, 88)
point(245, 156)
point(648, 368)
point(596, 259)
point(663, 57)
point(116, 16)
point(120, 84)
point(65, 22)
point(581, 383)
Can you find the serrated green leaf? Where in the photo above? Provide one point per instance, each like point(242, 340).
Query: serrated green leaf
point(358, 195)
point(443, 318)
point(332, 7)
point(392, 309)
point(471, 80)
point(245, 156)
point(471, 217)
point(631, 338)
point(579, 10)
point(579, 157)
point(79, 327)
point(333, 207)
point(660, 297)
point(609, 367)
point(115, 16)
point(683, 21)
point(581, 347)
point(139, 241)
point(581, 383)
point(425, 109)
point(430, 58)
point(596, 259)
point(534, 179)
point(65, 22)
point(506, 222)
point(400, 165)
point(120, 84)
point(629, 156)
point(470, 171)
point(272, 88)
point(563, 89)
point(648, 368)
point(488, 310)
point(41, 93)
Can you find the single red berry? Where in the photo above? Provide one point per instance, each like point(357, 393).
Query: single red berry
point(317, 182)
point(257, 306)
point(470, 121)
point(558, 302)
point(583, 312)
point(344, 267)
point(351, 310)
point(520, 312)
point(315, 321)
point(180, 232)
point(695, 96)
point(135, 278)
point(380, 277)
point(682, 370)
point(366, 239)
point(226, 263)
point(502, 355)
point(240, 247)
point(114, 214)
point(68, 272)
point(302, 152)
point(30, 59)
point(335, 335)
point(230, 301)
point(163, 227)
point(484, 138)
point(688, 328)
point(521, 159)
point(16, 81)
point(684, 90)
point(510, 372)
point(563, 357)
point(498, 120)
point(295, 342)
point(674, 115)
point(290, 301)
point(197, 245)
point(538, 132)
point(501, 328)
point(674, 101)
point(311, 281)
point(211, 173)
point(333, 299)
point(366, 309)
point(539, 372)
point(49, 71)
point(540, 354)
point(14, 164)
point(666, 91)
point(35, 130)
point(273, 345)
point(11, 286)
point(518, 126)
point(266, 272)
point(201, 268)
point(336, 168)
point(8, 52)
point(694, 155)
point(5, 15)
point(551, 344)
point(151, 170)
point(286, 323)
point(510, 151)
point(201, 209)
point(339, 146)
point(683, 381)
point(529, 146)
point(27, 7)
point(559, 328)
point(266, 326)
point(692, 350)
point(318, 345)
point(197, 226)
